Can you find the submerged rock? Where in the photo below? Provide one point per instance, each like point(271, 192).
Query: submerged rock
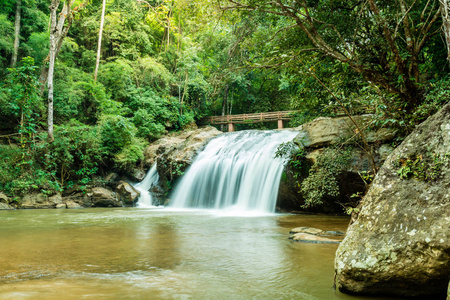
point(314, 235)
point(312, 238)
point(308, 230)
point(400, 243)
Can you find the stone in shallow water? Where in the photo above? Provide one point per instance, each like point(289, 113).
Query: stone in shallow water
point(311, 238)
point(308, 230)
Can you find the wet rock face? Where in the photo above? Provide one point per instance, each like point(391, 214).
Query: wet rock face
point(175, 152)
point(400, 243)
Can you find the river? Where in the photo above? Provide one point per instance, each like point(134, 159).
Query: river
point(132, 253)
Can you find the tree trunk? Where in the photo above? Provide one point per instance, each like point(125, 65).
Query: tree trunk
point(102, 21)
point(60, 33)
point(445, 9)
point(184, 93)
point(224, 104)
point(16, 33)
point(51, 66)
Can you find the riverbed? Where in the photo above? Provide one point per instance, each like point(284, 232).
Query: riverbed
point(157, 253)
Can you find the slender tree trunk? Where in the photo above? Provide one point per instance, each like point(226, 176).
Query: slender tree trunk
point(231, 103)
point(224, 104)
point(445, 9)
point(61, 29)
point(51, 66)
point(102, 21)
point(16, 33)
point(184, 93)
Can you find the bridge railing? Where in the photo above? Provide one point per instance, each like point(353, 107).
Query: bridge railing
point(275, 116)
point(250, 118)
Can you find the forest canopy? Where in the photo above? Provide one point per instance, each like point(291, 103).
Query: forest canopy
point(163, 64)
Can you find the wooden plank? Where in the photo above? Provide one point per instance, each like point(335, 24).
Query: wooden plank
point(271, 116)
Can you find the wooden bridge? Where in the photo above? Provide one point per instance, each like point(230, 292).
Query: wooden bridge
point(278, 116)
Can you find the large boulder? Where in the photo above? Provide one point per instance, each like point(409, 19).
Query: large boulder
point(4, 202)
point(5, 206)
point(180, 145)
point(4, 199)
point(175, 152)
point(326, 130)
point(400, 243)
point(102, 197)
point(39, 200)
point(127, 193)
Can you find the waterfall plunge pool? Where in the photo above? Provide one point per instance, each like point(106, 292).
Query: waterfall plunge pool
point(136, 253)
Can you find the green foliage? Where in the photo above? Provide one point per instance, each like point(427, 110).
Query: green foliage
point(165, 66)
point(75, 154)
point(6, 37)
point(295, 157)
point(426, 167)
point(322, 182)
point(21, 100)
point(118, 137)
point(78, 96)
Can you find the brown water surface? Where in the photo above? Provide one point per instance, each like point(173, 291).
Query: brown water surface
point(135, 253)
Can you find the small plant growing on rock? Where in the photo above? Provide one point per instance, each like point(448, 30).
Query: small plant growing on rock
point(425, 167)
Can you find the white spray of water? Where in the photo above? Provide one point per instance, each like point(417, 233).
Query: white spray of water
point(145, 199)
point(236, 172)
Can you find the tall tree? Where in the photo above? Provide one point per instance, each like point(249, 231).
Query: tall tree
point(445, 10)
point(57, 33)
point(16, 33)
point(383, 41)
point(99, 48)
point(59, 29)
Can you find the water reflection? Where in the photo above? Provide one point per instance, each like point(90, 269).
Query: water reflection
point(160, 254)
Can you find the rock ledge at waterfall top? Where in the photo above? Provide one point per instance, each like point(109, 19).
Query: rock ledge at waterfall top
point(400, 243)
point(324, 131)
point(175, 152)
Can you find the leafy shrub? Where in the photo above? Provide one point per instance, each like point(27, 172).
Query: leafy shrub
point(322, 179)
point(147, 127)
point(117, 78)
point(78, 96)
point(118, 138)
point(75, 154)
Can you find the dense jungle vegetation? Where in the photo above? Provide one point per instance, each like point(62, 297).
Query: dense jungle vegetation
point(166, 63)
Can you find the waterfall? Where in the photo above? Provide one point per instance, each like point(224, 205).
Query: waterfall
point(152, 177)
point(236, 171)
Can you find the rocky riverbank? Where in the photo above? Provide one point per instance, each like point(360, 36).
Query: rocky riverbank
point(174, 153)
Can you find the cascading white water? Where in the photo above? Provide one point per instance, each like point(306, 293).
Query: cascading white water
point(235, 171)
point(152, 177)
